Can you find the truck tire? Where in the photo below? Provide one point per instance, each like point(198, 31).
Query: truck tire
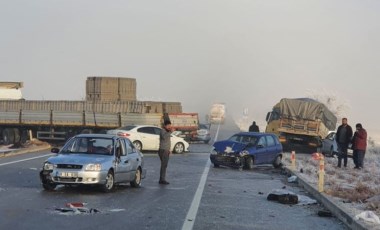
point(24, 136)
point(17, 137)
point(8, 136)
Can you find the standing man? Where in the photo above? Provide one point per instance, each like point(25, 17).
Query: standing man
point(359, 145)
point(343, 138)
point(164, 150)
point(254, 127)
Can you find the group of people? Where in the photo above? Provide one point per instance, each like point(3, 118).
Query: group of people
point(357, 141)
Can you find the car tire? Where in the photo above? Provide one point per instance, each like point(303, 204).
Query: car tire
point(216, 165)
point(248, 162)
point(110, 182)
point(277, 162)
point(136, 183)
point(49, 186)
point(179, 148)
point(138, 145)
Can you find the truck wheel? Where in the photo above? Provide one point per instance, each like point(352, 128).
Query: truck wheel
point(179, 148)
point(248, 162)
point(17, 136)
point(24, 136)
point(8, 136)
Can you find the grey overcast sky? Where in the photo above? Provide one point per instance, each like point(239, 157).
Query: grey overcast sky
point(245, 53)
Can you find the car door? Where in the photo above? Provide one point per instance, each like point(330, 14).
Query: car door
point(149, 139)
point(123, 163)
point(261, 150)
point(271, 149)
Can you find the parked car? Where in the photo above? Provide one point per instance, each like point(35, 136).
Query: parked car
point(246, 149)
point(330, 147)
point(94, 159)
point(147, 138)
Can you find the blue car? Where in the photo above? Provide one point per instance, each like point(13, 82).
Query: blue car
point(246, 149)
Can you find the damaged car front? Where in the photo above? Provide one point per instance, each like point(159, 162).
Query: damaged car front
point(243, 150)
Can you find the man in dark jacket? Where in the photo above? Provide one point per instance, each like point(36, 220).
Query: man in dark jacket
point(254, 127)
point(359, 145)
point(343, 138)
point(164, 150)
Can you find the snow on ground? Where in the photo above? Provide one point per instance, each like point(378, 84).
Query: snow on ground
point(357, 190)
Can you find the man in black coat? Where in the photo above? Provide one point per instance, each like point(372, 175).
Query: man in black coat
point(343, 138)
point(254, 127)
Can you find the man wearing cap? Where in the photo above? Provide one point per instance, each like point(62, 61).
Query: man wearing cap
point(164, 150)
point(359, 145)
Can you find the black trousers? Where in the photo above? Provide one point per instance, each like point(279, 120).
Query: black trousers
point(342, 154)
point(164, 157)
point(358, 158)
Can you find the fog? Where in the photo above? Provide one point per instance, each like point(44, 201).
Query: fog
point(244, 53)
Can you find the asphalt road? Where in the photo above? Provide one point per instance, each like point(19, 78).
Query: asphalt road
point(198, 197)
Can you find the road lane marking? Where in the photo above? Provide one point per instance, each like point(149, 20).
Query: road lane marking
point(27, 159)
point(192, 213)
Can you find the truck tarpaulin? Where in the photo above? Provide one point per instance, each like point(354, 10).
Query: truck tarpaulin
point(308, 109)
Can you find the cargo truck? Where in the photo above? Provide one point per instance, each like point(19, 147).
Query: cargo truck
point(300, 123)
point(108, 105)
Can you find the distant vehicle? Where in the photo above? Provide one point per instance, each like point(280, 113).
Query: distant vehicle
point(300, 123)
point(202, 134)
point(217, 113)
point(94, 159)
point(246, 149)
point(330, 147)
point(147, 138)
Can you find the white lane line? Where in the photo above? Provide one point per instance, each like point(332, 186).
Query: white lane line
point(192, 213)
point(27, 159)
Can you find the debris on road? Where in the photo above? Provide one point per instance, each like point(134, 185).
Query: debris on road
point(287, 197)
point(368, 216)
point(324, 213)
point(76, 208)
point(292, 179)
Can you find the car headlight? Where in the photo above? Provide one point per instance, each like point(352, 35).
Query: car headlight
point(244, 153)
point(48, 166)
point(93, 167)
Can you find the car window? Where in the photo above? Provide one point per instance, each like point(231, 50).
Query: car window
point(270, 141)
point(276, 140)
point(330, 136)
point(262, 142)
point(129, 146)
point(120, 148)
point(157, 131)
point(128, 127)
point(148, 130)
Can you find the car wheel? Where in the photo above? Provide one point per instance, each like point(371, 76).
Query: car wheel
point(248, 161)
point(277, 162)
point(216, 165)
point(138, 145)
point(49, 186)
point(110, 182)
point(179, 148)
point(137, 181)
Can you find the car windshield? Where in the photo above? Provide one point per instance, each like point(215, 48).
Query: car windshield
point(243, 139)
point(89, 145)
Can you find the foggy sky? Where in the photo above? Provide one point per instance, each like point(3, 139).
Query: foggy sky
point(245, 53)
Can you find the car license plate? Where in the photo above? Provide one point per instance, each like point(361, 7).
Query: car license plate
point(69, 174)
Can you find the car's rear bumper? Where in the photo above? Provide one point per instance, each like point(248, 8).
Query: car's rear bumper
point(227, 160)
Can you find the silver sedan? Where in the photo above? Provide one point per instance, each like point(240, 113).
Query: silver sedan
point(94, 159)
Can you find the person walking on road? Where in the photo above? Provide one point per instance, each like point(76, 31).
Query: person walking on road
point(359, 145)
point(254, 127)
point(343, 139)
point(164, 151)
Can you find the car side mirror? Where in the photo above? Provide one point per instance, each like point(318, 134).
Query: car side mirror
point(54, 150)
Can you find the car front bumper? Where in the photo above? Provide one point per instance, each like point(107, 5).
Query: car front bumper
point(227, 160)
point(74, 177)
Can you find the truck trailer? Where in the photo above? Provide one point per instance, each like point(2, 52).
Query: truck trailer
point(300, 123)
